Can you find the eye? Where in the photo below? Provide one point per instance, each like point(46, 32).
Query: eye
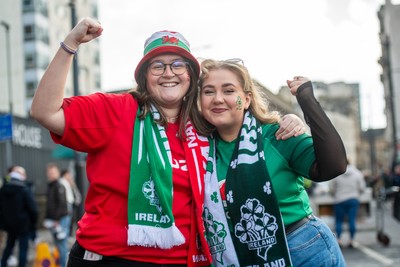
point(229, 91)
point(157, 65)
point(207, 92)
point(178, 64)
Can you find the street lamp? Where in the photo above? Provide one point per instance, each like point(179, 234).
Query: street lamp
point(78, 156)
point(387, 62)
point(7, 28)
point(10, 100)
point(75, 69)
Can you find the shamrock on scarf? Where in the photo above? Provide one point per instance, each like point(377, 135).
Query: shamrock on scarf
point(229, 196)
point(214, 197)
point(267, 188)
point(216, 232)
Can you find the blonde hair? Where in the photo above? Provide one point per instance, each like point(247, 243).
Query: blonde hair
point(259, 102)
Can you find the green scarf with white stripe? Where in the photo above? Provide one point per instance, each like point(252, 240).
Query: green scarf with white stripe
point(150, 218)
point(252, 232)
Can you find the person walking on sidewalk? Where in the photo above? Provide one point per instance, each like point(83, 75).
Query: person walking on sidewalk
point(18, 215)
point(58, 218)
point(74, 197)
point(346, 190)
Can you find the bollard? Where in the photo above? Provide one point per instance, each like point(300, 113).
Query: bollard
point(43, 257)
point(56, 257)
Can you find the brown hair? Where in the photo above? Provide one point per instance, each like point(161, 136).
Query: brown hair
point(188, 109)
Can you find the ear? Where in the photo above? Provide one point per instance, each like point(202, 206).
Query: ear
point(248, 97)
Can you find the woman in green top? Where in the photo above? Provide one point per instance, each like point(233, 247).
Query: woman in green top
point(265, 218)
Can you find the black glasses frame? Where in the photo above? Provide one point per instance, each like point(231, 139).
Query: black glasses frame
point(171, 67)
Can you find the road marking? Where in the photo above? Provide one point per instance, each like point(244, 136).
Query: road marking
point(373, 254)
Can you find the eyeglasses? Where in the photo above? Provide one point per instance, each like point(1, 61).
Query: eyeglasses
point(178, 67)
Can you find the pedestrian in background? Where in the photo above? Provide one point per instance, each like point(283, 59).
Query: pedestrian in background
point(396, 196)
point(65, 177)
point(74, 197)
point(396, 175)
point(18, 215)
point(58, 218)
point(347, 190)
point(385, 178)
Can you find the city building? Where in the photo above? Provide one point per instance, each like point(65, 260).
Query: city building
point(389, 17)
point(30, 34)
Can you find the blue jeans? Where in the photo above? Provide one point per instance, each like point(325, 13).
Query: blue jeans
point(349, 208)
point(314, 244)
point(62, 244)
point(23, 241)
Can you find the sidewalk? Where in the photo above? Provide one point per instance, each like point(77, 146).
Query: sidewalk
point(43, 235)
point(383, 220)
point(367, 227)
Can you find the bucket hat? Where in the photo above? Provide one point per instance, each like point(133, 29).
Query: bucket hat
point(162, 42)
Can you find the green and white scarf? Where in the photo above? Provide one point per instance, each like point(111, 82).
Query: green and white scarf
point(150, 218)
point(258, 235)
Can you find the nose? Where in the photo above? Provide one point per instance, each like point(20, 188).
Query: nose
point(218, 98)
point(168, 71)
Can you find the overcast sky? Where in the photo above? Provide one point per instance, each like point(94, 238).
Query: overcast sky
point(326, 40)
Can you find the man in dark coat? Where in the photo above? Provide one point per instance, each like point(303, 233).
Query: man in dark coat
point(57, 218)
point(18, 215)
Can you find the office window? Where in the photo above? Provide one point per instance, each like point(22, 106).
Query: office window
point(29, 32)
point(31, 88)
point(30, 61)
point(27, 5)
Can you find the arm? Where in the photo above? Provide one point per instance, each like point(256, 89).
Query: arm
point(330, 154)
point(47, 103)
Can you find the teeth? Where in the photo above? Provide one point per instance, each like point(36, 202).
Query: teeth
point(168, 84)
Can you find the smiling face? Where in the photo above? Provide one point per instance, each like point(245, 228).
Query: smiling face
point(223, 102)
point(168, 89)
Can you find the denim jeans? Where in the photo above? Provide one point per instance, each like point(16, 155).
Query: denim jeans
point(62, 244)
point(314, 244)
point(23, 241)
point(349, 208)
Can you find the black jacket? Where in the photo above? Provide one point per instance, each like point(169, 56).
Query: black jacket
point(56, 206)
point(18, 209)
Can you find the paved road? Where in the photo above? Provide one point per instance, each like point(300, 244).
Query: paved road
point(370, 252)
